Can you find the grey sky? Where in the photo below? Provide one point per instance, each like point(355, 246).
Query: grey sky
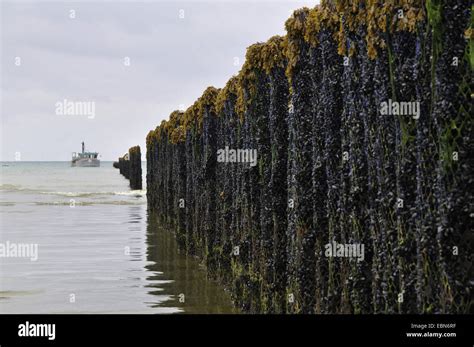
point(172, 61)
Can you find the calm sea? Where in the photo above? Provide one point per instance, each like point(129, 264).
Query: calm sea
point(97, 251)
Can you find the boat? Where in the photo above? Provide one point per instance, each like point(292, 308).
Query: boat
point(85, 159)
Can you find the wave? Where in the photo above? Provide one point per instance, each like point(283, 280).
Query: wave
point(7, 203)
point(88, 203)
point(13, 187)
point(136, 193)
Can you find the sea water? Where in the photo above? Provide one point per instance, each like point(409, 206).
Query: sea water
point(97, 250)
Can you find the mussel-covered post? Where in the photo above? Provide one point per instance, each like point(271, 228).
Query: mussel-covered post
point(124, 166)
point(302, 233)
point(135, 159)
point(357, 199)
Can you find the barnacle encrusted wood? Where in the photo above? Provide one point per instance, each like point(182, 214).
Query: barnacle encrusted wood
point(130, 166)
point(135, 158)
point(334, 170)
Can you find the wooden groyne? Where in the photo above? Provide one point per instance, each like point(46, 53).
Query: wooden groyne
point(135, 175)
point(358, 199)
point(130, 166)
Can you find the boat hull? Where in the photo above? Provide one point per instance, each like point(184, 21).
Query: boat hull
point(86, 162)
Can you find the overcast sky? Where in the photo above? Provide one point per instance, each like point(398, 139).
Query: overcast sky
point(47, 57)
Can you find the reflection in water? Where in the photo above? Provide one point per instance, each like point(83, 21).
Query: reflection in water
point(186, 275)
point(135, 224)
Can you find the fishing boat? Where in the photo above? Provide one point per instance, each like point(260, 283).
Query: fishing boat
point(85, 159)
